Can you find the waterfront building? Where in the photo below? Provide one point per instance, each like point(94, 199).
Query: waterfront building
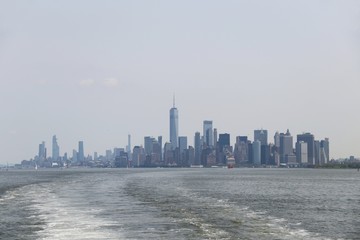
point(204, 155)
point(109, 155)
point(42, 151)
point(250, 152)
point(169, 158)
point(190, 156)
point(309, 139)
point(121, 158)
point(256, 149)
point(128, 147)
point(223, 145)
point(241, 150)
point(265, 154)
point(325, 151)
point(286, 147)
point(317, 152)
point(74, 157)
point(138, 156)
point(211, 159)
point(161, 147)
point(197, 146)
point(81, 156)
point(301, 152)
point(156, 153)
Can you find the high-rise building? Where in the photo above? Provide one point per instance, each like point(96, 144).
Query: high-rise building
point(55, 149)
point(265, 154)
point(138, 156)
point(208, 132)
point(156, 153)
point(277, 140)
point(286, 146)
point(128, 147)
point(309, 139)
point(197, 146)
point(148, 144)
point(161, 147)
point(256, 149)
point(317, 152)
point(81, 155)
point(42, 151)
point(181, 154)
point(325, 151)
point(301, 152)
point(224, 140)
point(215, 137)
point(169, 158)
point(174, 126)
point(262, 136)
point(241, 150)
point(74, 157)
point(182, 144)
point(109, 155)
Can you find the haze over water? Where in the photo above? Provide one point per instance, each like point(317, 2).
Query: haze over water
point(97, 71)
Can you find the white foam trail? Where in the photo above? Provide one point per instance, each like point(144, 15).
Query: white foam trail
point(65, 221)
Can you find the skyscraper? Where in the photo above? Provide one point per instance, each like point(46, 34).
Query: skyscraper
point(174, 126)
point(161, 147)
point(262, 136)
point(241, 149)
point(182, 144)
point(81, 151)
point(42, 151)
point(208, 133)
point(286, 148)
point(309, 139)
point(74, 157)
point(55, 149)
point(128, 147)
point(325, 145)
point(301, 152)
point(215, 137)
point(224, 140)
point(197, 146)
point(277, 140)
point(317, 152)
point(148, 144)
point(256, 147)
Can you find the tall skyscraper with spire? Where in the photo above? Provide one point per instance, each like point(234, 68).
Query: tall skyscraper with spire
point(55, 149)
point(174, 125)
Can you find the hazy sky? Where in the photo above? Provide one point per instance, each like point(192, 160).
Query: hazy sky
point(98, 70)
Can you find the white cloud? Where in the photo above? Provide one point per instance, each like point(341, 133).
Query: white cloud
point(87, 82)
point(111, 82)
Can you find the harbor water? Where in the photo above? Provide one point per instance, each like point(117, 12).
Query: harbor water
point(184, 203)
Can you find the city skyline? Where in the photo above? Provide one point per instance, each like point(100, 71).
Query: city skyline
point(96, 72)
point(210, 139)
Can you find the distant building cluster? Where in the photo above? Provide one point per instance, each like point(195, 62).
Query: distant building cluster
point(211, 149)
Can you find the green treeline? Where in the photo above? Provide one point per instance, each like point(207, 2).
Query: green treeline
point(340, 165)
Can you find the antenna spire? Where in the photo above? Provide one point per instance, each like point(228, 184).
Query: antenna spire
point(174, 100)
